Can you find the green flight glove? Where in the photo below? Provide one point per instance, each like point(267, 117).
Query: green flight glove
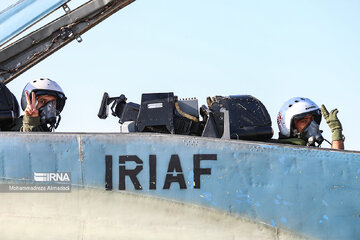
point(333, 122)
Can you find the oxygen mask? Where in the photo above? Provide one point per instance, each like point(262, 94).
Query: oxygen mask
point(48, 114)
point(312, 134)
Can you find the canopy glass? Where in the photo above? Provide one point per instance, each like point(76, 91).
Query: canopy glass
point(17, 16)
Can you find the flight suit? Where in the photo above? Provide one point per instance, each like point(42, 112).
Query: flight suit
point(29, 124)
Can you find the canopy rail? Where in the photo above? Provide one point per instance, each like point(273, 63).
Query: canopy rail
point(38, 45)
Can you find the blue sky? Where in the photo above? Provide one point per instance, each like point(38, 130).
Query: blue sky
point(273, 50)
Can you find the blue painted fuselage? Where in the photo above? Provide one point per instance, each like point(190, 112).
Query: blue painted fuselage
point(311, 191)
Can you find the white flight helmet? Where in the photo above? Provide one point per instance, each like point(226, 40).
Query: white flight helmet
point(296, 108)
point(44, 86)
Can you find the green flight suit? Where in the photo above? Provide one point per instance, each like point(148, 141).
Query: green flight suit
point(29, 124)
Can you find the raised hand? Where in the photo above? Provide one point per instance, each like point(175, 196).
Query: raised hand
point(31, 105)
point(333, 122)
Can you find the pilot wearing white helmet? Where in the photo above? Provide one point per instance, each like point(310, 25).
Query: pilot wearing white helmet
point(42, 101)
point(299, 120)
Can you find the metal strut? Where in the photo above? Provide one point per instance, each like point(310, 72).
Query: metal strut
point(36, 46)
